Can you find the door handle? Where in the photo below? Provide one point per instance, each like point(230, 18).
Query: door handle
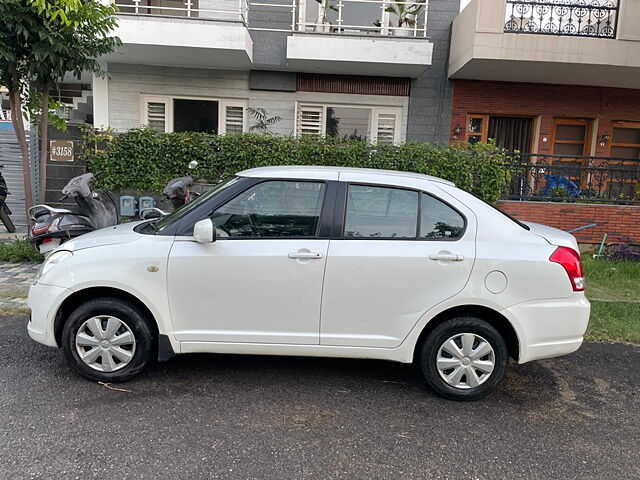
point(306, 255)
point(451, 257)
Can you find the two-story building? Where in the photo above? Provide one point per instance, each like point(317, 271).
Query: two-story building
point(374, 69)
point(559, 82)
point(551, 77)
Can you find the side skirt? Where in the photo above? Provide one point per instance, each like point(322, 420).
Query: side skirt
point(400, 354)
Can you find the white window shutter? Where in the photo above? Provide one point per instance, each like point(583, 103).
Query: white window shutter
point(156, 115)
point(386, 128)
point(310, 121)
point(234, 119)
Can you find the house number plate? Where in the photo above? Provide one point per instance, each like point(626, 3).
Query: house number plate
point(61, 150)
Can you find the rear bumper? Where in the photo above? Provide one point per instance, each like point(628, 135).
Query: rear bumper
point(44, 301)
point(549, 328)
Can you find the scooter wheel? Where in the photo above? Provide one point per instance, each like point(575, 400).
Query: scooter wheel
point(8, 223)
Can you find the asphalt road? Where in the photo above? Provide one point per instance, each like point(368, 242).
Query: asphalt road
point(245, 417)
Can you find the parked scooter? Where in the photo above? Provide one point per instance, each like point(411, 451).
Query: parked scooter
point(4, 208)
point(178, 190)
point(53, 226)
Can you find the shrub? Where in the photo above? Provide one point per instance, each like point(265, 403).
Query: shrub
point(19, 250)
point(147, 160)
point(622, 253)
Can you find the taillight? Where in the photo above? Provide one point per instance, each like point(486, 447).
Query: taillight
point(572, 264)
point(37, 230)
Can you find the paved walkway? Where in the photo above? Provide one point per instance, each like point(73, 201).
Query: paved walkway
point(17, 274)
point(15, 279)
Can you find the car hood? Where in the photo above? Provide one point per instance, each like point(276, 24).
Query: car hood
point(553, 235)
point(105, 236)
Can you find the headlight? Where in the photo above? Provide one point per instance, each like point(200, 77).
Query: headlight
point(52, 260)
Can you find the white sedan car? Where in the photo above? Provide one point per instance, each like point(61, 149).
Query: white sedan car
point(319, 261)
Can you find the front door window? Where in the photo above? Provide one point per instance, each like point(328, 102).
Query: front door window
point(272, 209)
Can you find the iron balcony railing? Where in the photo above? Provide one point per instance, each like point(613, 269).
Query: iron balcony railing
point(401, 18)
point(229, 10)
point(5, 115)
point(582, 18)
point(574, 179)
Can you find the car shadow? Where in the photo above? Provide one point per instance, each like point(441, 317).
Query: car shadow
point(532, 384)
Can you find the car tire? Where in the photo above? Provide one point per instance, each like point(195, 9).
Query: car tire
point(463, 373)
point(128, 349)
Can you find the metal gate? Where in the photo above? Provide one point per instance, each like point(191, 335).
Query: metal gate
point(11, 162)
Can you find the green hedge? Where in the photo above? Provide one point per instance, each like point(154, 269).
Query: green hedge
point(146, 160)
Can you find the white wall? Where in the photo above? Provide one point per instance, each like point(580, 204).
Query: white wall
point(128, 82)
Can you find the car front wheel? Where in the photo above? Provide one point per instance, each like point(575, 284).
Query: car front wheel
point(107, 339)
point(464, 358)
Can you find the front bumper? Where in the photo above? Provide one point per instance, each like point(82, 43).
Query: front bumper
point(44, 301)
point(549, 328)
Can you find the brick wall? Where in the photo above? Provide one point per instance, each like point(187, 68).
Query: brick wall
point(547, 102)
point(621, 223)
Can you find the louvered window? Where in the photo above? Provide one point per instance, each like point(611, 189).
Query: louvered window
point(386, 128)
point(188, 114)
point(157, 115)
point(234, 119)
point(349, 122)
point(310, 120)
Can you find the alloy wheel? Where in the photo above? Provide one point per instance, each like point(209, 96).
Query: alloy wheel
point(105, 343)
point(465, 360)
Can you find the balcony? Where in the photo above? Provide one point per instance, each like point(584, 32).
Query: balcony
point(571, 42)
point(189, 33)
point(365, 37)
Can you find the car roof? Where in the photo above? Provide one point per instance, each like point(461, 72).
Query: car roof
point(331, 173)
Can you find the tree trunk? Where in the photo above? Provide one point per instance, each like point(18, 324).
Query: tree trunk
point(44, 142)
point(18, 125)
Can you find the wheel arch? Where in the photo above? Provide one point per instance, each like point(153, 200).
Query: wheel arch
point(493, 317)
point(77, 298)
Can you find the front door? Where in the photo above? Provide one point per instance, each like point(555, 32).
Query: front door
point(392, 264)
point(261, 280)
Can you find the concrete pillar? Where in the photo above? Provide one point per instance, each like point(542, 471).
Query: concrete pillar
point(100, 102)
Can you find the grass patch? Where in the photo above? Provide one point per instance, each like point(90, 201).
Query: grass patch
point(19, 250)
point(612, 281)
point(614, 322)
point(614, 291)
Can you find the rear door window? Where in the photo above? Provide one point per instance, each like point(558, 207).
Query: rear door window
point(438, 220)
point(381, 212)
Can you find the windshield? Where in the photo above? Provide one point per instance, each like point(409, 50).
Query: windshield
point(193, 204)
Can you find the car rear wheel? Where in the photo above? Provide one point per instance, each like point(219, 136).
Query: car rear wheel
point(107, 339)
point(464, 358)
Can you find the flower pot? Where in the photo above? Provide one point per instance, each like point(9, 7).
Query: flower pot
point(402, 32)
point(322, 24)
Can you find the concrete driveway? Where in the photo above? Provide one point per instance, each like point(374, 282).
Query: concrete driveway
point(215, 416)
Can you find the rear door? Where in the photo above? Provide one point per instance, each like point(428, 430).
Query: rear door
point(400, 252)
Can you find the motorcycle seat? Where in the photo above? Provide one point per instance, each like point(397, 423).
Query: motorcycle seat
point(40, 210)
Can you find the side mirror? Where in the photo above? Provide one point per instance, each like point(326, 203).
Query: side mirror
point(204, 231)
point(149, 213)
